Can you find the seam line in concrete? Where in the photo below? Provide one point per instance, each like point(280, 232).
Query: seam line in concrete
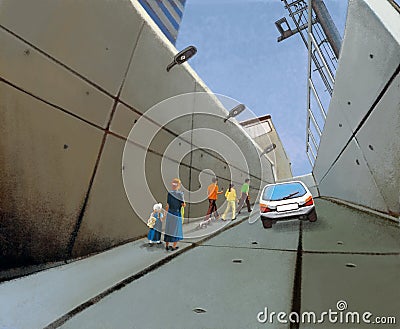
point(78, 223)
point(296, 296)
point(50, 104)
point(69, 69)
point(243, 247)
point(361, 208)
point(370, 172)
point(320, 252)
point(360, 253)
point(191, 150)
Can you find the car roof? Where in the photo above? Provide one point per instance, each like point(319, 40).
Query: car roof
point(290, 182)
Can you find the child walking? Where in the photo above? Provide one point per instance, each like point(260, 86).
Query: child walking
point(155, 224)
point(231, 200)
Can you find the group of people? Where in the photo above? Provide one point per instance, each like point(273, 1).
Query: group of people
point(231, 199)
point(173, 213)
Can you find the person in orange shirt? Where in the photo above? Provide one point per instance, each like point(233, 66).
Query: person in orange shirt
point(212, 198)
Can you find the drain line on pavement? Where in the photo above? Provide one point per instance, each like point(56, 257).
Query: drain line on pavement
point(296, 297)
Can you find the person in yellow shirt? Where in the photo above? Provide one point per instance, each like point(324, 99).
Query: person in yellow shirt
point(213, 193)
point(231, 199)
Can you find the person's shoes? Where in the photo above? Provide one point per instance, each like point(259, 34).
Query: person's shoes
point(239, 213)
point(151, 243)
point(233, 218)
point(167, 248)
point(159, 242)
point(249, 210)
point(173, 249)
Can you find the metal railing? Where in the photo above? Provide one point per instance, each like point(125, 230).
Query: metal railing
point(320, 36)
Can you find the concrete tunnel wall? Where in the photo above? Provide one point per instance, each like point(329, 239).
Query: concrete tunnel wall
point(358, 158)
point(74, 77)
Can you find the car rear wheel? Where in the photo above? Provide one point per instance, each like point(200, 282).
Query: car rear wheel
point(312, 217)
point(267, 223)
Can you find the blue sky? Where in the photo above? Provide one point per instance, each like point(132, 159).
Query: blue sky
point(239, 56)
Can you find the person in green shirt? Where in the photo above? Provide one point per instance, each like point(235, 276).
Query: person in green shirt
point(245, 196)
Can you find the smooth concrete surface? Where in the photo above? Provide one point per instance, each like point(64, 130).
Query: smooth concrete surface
point(283, 236)
point(46, 169)
point(39, 299)
point(78, 77)
point(108, 199)
point(147, 81)
point(372, 286)
point(364, 110)
point(342, 229)
point(32, 71)
point(336, 183)
point(231, 293)
point(382, 154)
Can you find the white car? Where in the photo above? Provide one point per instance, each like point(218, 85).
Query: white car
point(287, 200)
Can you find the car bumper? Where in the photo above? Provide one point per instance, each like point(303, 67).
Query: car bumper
point(276, 215)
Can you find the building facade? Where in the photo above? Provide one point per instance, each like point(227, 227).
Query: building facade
point(167, 14)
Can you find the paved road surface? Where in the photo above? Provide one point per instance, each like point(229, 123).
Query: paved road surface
point(226, 281)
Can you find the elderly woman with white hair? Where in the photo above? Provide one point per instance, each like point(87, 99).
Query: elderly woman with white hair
point(155, 224)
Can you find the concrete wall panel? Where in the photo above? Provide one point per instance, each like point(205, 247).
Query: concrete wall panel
point(94, 38)
point(148, 82)
point(30, 70)
point(123, 121)
point(366, 103)
point(109, 218)
point(159, 139)
point(352, 168)
point(382, 149)
point(370, 50)
point(174, 113)
point(46, 159)
point(336, 133)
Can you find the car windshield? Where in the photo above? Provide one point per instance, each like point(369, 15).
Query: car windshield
point(284, 191)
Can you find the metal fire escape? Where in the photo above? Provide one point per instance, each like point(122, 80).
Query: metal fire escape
point(323, 41)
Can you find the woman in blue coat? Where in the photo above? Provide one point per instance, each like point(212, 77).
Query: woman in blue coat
point(173, 221)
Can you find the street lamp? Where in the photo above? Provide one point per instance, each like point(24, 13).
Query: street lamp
point(235, 111)
point(268, 149)
point(182, 56)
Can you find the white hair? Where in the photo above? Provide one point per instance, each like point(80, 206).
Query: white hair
point(157, 206)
